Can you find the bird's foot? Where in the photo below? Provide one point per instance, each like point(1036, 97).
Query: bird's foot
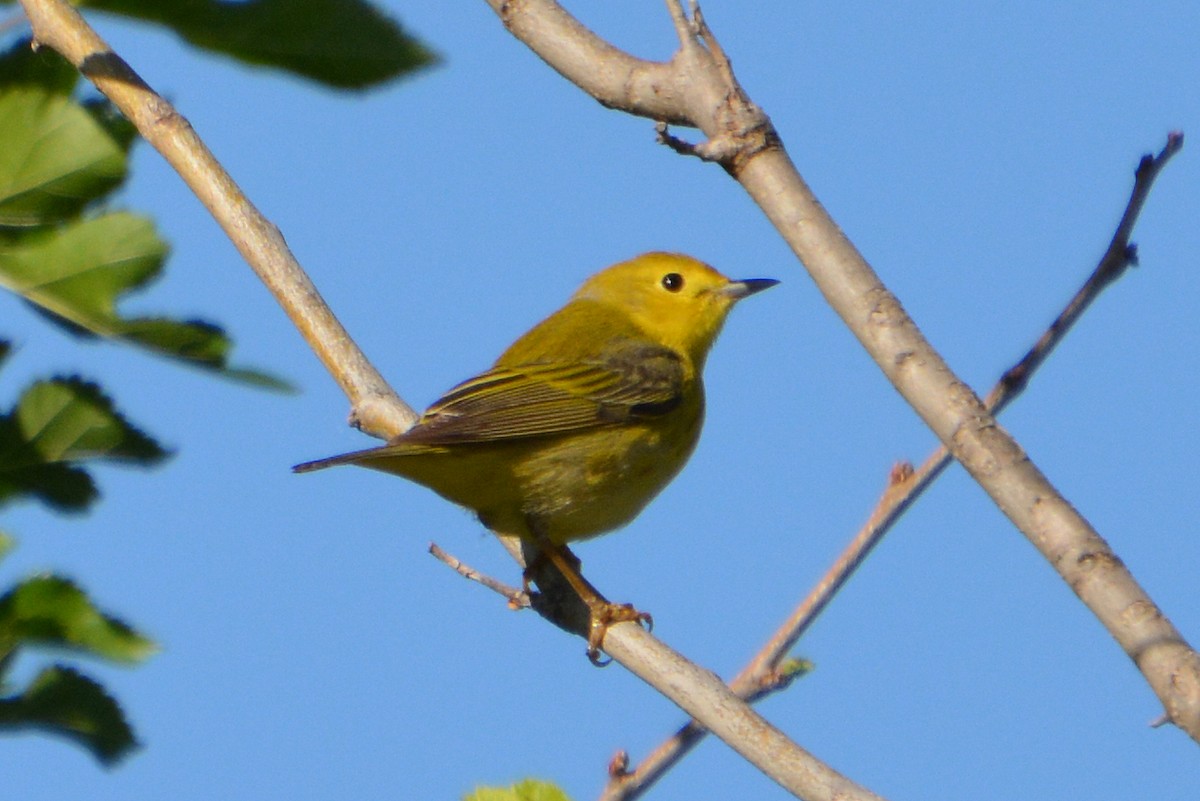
point(604, 614)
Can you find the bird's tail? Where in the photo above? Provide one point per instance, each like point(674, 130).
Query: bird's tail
point(353, 457)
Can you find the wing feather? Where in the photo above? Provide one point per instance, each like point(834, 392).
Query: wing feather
point(632, 380)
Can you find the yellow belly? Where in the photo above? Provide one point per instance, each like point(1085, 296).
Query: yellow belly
point(566, 487)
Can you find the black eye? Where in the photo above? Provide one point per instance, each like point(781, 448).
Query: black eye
point(672, 282)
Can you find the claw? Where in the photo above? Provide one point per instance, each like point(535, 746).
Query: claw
point(605, 614)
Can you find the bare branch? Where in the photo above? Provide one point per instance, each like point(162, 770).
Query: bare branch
point(763, 745)
point(375, 406)
point(517, 599)
point(906, 485)
point(378, 410)
point(696, 91)
point(695, 88)
point(762, 675)
point(1121, 254)
point(698, 692)
point(610, 75)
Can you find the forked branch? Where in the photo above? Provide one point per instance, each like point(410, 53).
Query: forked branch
point(378, 410)
point(768, 671)
point(697, 88)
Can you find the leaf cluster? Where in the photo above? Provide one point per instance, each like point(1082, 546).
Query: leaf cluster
point(47, 611)
point(73, 257)
point(61, 248)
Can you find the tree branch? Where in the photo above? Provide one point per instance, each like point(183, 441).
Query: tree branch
point(378, 410)
point(375, 406)
point(517, 599)
point(767, 672)
point(698, 692)
point(698, 89)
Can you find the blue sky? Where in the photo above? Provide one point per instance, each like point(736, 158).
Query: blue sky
point(979, 156)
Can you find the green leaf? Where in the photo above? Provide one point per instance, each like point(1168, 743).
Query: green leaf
point(56, 424)
point(199, 343)
point(59, 486)
point(349, 44)
point(7, 543)
point(63, 701)
point(794, 668)
point(56, 156)
point(78, 272)
point(526, 790)
point(53, 611)
point(69, 419)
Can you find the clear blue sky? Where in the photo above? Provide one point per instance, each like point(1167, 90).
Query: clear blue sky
point(979, 156)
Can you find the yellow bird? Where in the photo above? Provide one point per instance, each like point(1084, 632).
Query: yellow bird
point(583, 420)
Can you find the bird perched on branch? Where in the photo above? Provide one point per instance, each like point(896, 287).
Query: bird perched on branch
point(582, 421)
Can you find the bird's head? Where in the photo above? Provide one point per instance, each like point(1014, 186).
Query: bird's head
point(678, 301)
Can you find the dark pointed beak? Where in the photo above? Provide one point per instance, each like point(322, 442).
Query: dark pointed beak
point(741, 289)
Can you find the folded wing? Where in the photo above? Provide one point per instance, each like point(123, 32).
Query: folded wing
point(631, 381)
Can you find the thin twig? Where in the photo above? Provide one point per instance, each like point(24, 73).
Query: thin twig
point(1121, 254)
point(905, 486)
point(678, 144)
point(900, 494)
point(517, 599)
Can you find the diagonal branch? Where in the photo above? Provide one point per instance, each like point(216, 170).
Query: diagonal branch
point(767, 672)
point(907, 487)
point(695, 88)
point(378, 410)
point(1120, 255)
point(375, 406)
point(699, 89)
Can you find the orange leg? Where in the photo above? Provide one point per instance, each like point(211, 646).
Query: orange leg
point(602, 612)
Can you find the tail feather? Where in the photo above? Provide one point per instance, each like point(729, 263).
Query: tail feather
point(333, 461)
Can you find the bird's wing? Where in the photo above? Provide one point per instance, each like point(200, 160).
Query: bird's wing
point(633, 380)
